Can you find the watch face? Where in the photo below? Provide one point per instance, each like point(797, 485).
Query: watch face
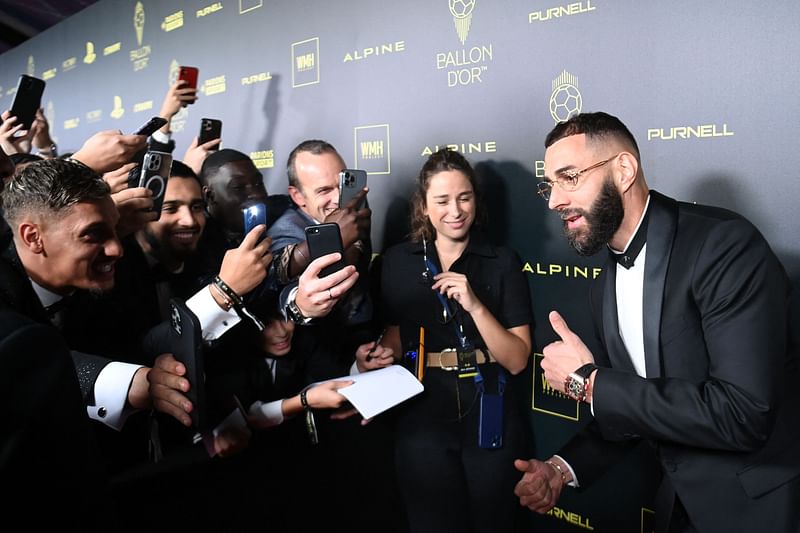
point(574, 388)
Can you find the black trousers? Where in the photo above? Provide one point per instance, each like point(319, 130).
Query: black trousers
point(448, 483)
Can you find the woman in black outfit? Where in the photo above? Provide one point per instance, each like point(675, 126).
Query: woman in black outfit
point(468, 296)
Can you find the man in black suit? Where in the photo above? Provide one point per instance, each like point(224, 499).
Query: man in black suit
point(691, 314)
point(48, 456)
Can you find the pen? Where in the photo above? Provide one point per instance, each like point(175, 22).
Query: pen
point(370, 357)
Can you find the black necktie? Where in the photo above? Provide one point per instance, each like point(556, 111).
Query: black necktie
point(627, 258)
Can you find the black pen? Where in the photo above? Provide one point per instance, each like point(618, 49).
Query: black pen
point(370, 357)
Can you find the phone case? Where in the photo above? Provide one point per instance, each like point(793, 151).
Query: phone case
point(186, 345)
point(350, 183)
point(154, 174)
point(210, 129)
point(190, 75)
point(27, 100)
point(490, 429)
point(149, 127)
point(324, 239)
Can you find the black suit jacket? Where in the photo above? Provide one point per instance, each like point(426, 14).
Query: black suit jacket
point(720, 400)
point(50, 470)
point(17, 294)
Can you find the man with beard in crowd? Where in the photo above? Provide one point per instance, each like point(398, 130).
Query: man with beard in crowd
point(692, 319)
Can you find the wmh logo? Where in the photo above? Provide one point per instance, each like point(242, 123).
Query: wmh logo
point(372, 148)
point(305, 62)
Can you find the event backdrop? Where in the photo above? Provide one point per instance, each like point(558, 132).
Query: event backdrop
point(708, 89)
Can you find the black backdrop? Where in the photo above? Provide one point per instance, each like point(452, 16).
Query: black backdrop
point(708, 88)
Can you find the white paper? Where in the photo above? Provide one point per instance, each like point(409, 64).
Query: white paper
point(378, 390)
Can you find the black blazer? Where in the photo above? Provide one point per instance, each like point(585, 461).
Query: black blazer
point(720, 400)
point(48, 455)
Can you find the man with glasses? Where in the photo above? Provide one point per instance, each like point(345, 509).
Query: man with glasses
point(692, 317)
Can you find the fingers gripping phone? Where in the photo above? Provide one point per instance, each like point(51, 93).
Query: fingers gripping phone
point(254, 213)
point(189, 75)
point(210, 129)
point(27, 100)
point(351, 182)
point(324, 239)
point(154, 174)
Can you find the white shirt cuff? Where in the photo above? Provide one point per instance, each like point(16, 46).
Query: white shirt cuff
point(160, 136)
point(214, 320)
point(111, 394)
point(267, 414)
point(574, 482)
point(354, 369)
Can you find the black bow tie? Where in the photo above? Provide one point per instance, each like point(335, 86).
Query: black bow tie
point(627, 258)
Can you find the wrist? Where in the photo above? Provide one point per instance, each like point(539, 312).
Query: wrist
point(561, 472)
point(590, 387)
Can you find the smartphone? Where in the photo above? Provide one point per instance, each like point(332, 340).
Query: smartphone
point(27, 100)
point(254, 213)
point(324, 239)
point(189, 75)
point(210, 129)
point(490, 426)
point(154, 174)
point(186, 344)
point(351, 182)
point(151, 126)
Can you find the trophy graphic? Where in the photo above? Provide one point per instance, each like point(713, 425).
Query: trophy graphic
point(138, 22)
point(462, 16)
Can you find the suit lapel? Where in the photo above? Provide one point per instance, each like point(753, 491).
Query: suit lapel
point(660, 235)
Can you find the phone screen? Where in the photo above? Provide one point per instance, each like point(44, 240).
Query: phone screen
point(254, 214)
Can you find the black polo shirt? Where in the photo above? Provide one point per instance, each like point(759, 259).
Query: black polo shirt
point(494, 273)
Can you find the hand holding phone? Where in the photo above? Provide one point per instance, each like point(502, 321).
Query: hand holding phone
point(324, 239)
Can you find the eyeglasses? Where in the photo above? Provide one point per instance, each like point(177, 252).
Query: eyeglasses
point(567, 180)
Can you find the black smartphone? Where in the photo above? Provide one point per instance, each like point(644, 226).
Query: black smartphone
point(324, 239)
point(254, 214)
point(154, 175)
point(27, 100)
point(210, 129)
point(186, 345)
point(490, 427)
point(351, 182)
point(151, 126)
point(189, 75)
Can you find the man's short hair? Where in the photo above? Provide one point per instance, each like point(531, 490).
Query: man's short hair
point(314, 146)
point(50, 187)
point(596, 125)
point(180, 169)
point(215, 161)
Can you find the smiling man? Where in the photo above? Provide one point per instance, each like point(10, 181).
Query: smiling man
point(65, 244)
point(695, 358)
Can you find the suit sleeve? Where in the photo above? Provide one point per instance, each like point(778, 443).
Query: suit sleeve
point(724, 366)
